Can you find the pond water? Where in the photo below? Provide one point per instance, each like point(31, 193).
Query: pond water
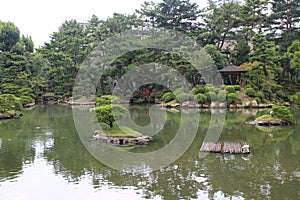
point(42, 157)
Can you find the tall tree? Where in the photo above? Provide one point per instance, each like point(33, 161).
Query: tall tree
point(180, 15)
point(9, 35)
point(65, 52)
point(254, 17)
point(293, 54)
point(285, 14)
point(220, 23)
point(264, 52)
point(240, 53)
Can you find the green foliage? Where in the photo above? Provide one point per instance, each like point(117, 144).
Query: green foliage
point(222, 95)
point(200, 98)
point(178, 91)
point(26, 100)
point(167, 97)
point(282, 112)
point(219, 58)
point(230, 89)
point(265, 53)
point(199, 89)
point(280, 94)
point(107, 99)
point(211, 96)
point(240, 53)
point(231, 97)
point(9, 36)
point(258, 100)
point(260, 96)
point(109, 113)
point(10, 102)
point(250, 92)
point(237, 87)
point(171, 14)
point(183, 97)
point(295, 99)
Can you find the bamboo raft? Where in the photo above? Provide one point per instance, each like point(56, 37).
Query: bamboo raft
point(226, 147)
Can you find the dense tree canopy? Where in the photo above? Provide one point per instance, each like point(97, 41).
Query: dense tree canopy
point(259, 31)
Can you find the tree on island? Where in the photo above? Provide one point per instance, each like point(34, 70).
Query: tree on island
point(107, 111)
point(278, 113)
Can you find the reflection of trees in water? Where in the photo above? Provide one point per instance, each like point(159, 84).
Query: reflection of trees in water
point(269, 171)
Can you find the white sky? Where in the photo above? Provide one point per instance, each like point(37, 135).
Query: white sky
point(40, 18)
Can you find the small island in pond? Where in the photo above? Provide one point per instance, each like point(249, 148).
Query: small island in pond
point(121, 136)
point(279, 116)
point(107, 111)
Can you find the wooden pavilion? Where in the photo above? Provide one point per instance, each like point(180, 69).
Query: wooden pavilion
point(231, 75)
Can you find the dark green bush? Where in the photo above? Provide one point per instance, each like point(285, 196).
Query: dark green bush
point(258, 100)
point(178, 91)
point(199, 89)
point(217, 90)
point(183, 97)
point(222, 95)
point(269, 95)
point(211, 96)
point(282, 112)
point(167, 97)
point(280, 94)
point(250, 92)
point(231, 97)
point(107, 99)
point(200, 98)
point(260, 95)
point(230, 89)
point(295, 99)
point(26, 100)
point(237, 87)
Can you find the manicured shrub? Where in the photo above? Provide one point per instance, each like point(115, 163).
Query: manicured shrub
point(10, 102)
point(258, 100)
point(183, 97)
point(260, 95)
point(237, 87)
point(199, 89)
point(222, 95)
point(295, 99)
point(167, 97)
point(250, 92)
point(107, 99)
point(209, 88)
point(26, 100)
point(217, 90)
point(280, 94)
point(282, 112)
point(211, 96)
point(200, 98)
point(268, 95)
point(178, 91)
point(231, 97)
point(230, 89)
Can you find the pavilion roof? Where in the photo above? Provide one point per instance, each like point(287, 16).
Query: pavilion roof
point(232, 68)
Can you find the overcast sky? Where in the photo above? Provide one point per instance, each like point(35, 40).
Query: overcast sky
point(40, 18)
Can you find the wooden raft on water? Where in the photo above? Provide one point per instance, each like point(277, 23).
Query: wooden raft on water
point(226, 147)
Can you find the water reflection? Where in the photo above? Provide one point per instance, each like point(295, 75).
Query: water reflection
point(42, 157)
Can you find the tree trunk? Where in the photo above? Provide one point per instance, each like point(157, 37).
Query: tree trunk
point(110, 124)
point(266, 72)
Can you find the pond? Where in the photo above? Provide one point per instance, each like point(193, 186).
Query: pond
point(42, 157)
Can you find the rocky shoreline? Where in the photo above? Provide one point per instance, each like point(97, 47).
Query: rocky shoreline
point(137, 140)
point(251, 104)
point(270, 122)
